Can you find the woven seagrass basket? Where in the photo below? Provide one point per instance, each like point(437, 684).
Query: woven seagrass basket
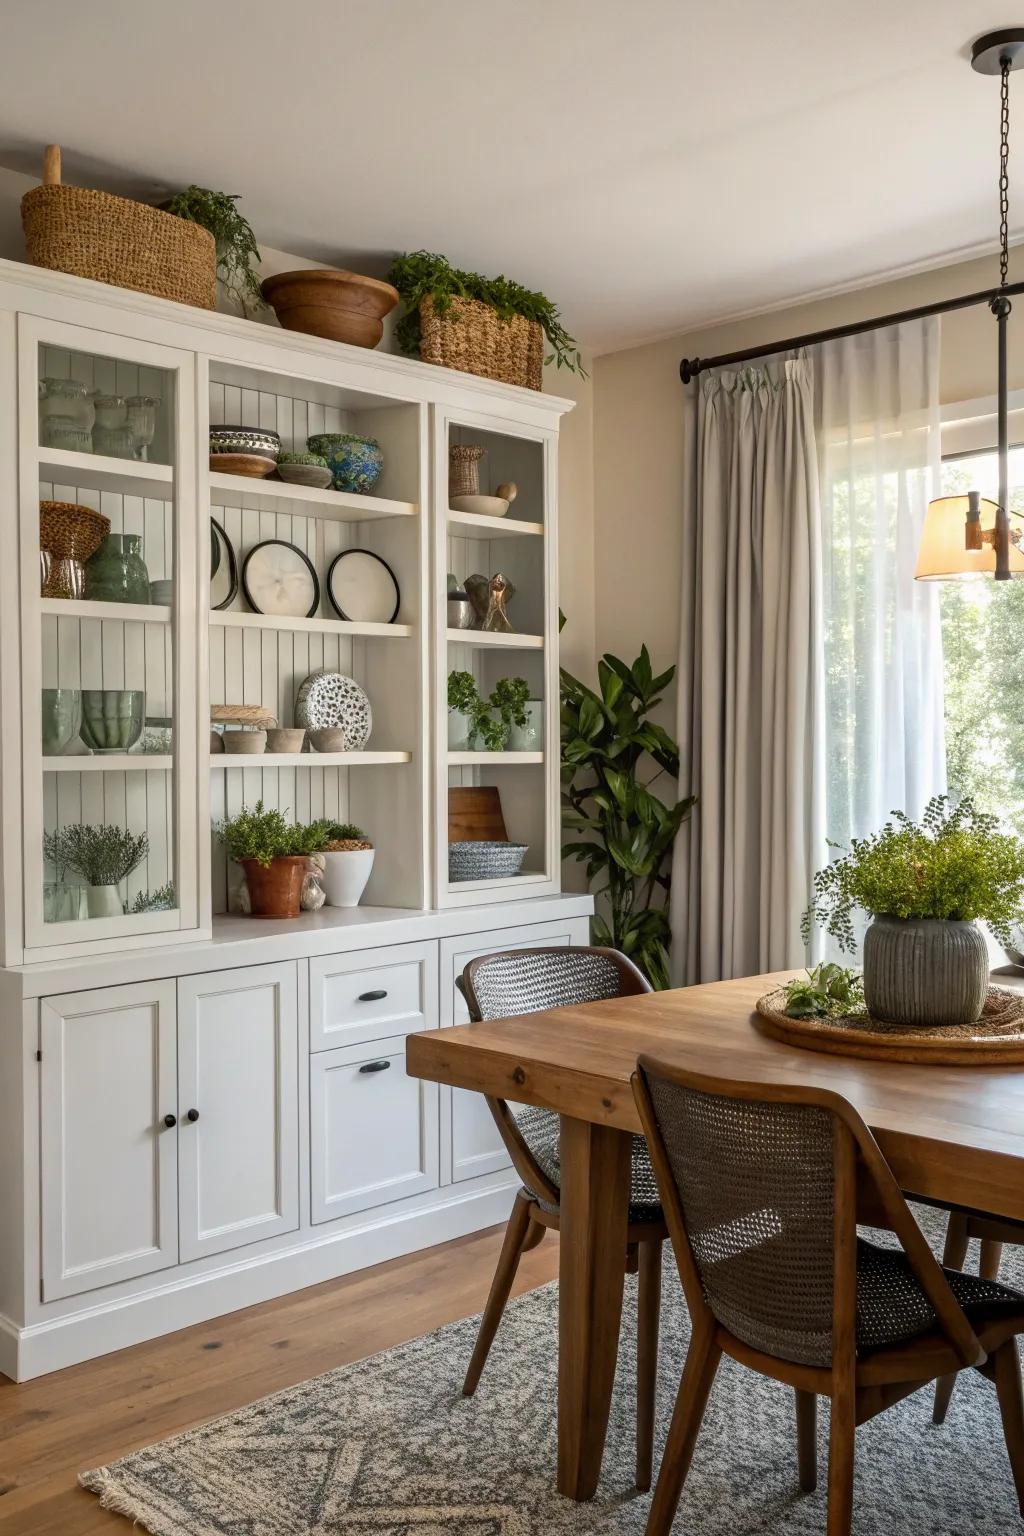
point(473, 337)
point(115, 240)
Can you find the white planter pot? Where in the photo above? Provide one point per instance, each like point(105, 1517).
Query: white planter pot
point(346, 874)
point(459, 724)
point(104, 901)
point(529, 737)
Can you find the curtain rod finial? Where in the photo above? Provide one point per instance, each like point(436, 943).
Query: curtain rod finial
point(689, 369)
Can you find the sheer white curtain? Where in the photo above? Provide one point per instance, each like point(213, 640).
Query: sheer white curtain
point(877, 420)
point(810, 677)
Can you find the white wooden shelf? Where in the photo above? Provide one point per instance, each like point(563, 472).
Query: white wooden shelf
point(492, 759)
point(479, 637)
point(528, 877)
point(122, 613)
point(307, 759)
point(501, 526)
point(110, 762)
point(229, 619)
point(277, 496)
point(99, 472)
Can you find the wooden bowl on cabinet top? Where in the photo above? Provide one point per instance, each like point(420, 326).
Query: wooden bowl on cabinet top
point(340, 306)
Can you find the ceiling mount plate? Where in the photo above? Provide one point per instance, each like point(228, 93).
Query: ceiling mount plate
point(989, 51)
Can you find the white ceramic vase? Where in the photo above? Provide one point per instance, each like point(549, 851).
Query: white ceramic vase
point(103, 901)
point(345, 875)
point(529, 737)
point(459, 726)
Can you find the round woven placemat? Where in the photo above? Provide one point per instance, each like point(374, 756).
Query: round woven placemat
point(996, 1039)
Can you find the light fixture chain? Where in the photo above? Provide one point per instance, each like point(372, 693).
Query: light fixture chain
point(1004, 173)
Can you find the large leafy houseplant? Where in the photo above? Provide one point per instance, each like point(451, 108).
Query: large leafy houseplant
point(419, 275)
point(612, 754)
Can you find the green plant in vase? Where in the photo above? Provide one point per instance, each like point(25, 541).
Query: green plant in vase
point(274, 854)
point(508, 700)
point(609, 744)
point(62, 900)
point(464, 707)
point(104, 856)
point(237, 252)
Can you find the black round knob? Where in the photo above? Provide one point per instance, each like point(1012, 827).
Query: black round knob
point(170, 1120)
point(193, 1115)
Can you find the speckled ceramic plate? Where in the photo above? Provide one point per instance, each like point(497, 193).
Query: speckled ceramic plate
point(332, 699)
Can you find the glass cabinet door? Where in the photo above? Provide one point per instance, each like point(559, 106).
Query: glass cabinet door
point(110, 613)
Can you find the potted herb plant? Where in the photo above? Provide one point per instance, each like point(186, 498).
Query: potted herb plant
point(274, 856)
point(463, 710)
point(237, 253)
point(103, 856)
point(925, 886)
point(348, 862)
point(489, 326)
point(521, 716)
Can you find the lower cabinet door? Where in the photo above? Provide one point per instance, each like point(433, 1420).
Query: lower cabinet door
point(108, 1161)
point(238, 1124)
point(373, 1130)
point(475, 1146)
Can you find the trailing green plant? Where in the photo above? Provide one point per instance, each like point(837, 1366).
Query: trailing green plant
point(264, 835)
point(419, 275)
point(162, 899)
point(954, 864)
point(829, 991)
point(237, 252)
point(509, 697)
point(102, 855)
point(609, 743)
point(490, 719)
point(462, 693)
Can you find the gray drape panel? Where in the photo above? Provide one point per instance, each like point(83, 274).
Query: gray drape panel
point(751, 714)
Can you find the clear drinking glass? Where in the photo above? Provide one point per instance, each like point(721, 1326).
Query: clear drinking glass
point(142, 422)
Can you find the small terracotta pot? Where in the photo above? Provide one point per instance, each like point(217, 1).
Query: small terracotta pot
point(275, 891)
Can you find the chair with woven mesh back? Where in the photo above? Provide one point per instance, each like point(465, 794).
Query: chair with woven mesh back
point(992, 1235)
point(759, 1185)
point(522, 981)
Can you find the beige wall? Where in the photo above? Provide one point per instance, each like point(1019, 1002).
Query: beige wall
point(639, 406)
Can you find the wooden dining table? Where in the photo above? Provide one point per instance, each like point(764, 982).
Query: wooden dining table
point(953, 1136)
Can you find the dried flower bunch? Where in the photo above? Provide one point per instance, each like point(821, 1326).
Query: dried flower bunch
point(102, 855)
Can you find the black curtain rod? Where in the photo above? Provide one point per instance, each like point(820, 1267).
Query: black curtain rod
point(690, 367)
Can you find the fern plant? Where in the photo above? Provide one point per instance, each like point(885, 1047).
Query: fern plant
point(237, 252)
point(609, 747)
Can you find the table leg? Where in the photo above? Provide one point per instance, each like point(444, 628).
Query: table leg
point(594, 1204)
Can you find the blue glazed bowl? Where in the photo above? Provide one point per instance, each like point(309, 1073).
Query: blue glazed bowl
point(355, 462)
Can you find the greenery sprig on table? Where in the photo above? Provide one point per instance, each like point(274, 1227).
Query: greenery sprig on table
point(492, 718)
point(237, 252)
point(829, 991)
point(628, 831)
point(954, 864)
point(419, 275)
point(102, 855)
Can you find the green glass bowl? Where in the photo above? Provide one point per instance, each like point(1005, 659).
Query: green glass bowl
point(112, 718)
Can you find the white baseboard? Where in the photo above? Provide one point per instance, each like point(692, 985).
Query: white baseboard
point(107, 1326)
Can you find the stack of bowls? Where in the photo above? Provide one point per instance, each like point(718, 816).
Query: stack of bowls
point(244, 450)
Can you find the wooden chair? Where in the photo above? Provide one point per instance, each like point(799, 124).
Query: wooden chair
point(759, 1187)
point(993, 1236)
point(521, 981)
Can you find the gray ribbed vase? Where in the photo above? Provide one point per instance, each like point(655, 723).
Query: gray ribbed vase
point(925, 971)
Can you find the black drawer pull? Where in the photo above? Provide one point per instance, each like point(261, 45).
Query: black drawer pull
point(375, 1066)
point(373, 997)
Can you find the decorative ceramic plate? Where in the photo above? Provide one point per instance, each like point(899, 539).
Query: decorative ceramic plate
point(331, 698)
point(362, 587)
point(223, 568)
point(278, 578)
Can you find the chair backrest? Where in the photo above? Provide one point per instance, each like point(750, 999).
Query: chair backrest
point(515, 981)
point(759, 1184)
point(518, 981)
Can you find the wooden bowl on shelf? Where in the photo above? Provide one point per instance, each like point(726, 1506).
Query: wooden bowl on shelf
point(254, 465)
point(340, 306)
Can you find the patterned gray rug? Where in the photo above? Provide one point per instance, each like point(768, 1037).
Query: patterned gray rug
point(388, 1446)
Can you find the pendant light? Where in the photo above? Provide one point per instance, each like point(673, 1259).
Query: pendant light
point(969, 535)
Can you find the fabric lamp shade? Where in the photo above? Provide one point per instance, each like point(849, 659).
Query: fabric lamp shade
point(942, 554)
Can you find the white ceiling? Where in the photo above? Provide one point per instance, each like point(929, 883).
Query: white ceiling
point(651, 166)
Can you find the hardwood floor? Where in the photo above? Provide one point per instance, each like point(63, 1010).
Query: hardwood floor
point(90, 1414)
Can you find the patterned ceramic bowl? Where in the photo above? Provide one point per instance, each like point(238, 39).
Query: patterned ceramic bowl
point(485, 861)
point(355, 462)
point(256, 440)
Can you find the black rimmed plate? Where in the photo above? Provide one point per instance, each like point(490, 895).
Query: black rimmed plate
point(362, 588)
point(277, 578)
point(223, 568)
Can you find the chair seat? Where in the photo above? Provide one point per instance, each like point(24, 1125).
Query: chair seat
point(540, 1130)
point(891, 1306)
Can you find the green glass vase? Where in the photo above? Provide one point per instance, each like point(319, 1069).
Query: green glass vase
point(117, 572)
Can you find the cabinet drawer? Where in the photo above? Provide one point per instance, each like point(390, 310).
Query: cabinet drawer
point(371, 994)
point(373, 1130)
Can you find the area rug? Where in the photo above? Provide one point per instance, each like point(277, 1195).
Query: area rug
point(389, 1446)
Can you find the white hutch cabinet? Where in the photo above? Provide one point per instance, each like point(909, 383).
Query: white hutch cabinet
point(199, 1110)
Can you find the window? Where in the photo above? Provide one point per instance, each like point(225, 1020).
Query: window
point(983, 653)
